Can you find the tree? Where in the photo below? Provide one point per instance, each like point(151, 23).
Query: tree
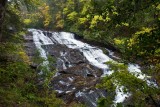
point(2, 16)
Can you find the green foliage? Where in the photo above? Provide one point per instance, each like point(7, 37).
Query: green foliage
point(74, 104)
point(139, 89)
point(145, 43)
point(72, 15)
point(19, 83)
point(113, 22)
point(27, 21)
point(105, 102)
point(45, 72)
point(131, 26)
point(44, 10)
point(19, 86)
point(82, 20)
point(95, 20)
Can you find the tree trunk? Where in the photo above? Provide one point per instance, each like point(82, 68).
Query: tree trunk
point(2, 15)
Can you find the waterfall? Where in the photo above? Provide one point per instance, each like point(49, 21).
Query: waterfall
point(94, 56)
point(40, 39)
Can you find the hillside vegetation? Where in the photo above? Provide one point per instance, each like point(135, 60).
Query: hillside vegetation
point(130, 26)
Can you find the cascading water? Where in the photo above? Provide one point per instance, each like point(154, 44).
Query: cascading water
point(39, 40)
point(93, 55)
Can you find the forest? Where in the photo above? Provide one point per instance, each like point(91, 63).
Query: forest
point(131, 28)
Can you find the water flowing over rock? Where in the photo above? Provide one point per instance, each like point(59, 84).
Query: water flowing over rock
point(79, 66)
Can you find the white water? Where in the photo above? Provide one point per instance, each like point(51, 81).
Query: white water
point(40, 39)
point(135, 70)
point(111, 53)
point(120, 95)
point(95, 56)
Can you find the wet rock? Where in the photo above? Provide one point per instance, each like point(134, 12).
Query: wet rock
point(76, 78)
point(47, 33)
point(65, 56)
point(28, 38)
point(29, 45)
point(68, 86)
point(90, 97)
point(84, 70)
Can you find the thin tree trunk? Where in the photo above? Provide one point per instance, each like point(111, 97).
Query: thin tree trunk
point(2, 15)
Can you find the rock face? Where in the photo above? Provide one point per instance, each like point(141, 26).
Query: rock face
point(76, 78)
point(29, 45)
point(79, 66)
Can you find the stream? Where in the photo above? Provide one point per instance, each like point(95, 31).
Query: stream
point(80, 66)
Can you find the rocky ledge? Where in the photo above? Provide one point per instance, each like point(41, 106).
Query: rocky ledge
point(76, 78)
